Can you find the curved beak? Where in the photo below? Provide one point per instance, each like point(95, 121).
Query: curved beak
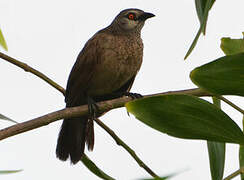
point(145, 16)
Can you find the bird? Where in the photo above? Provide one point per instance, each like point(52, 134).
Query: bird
point(105, 69)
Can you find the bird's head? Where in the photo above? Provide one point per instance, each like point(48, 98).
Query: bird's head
point(130, 20)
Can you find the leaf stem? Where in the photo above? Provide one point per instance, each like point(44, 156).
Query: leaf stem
point(231, 104)
point(234, 174)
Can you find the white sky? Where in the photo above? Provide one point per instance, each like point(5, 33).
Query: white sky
point(48, 36)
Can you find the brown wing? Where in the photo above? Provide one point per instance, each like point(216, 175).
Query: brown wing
point(127, 86)
point(81, 73)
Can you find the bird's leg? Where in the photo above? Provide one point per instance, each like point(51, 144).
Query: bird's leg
point(92, 108)
point(92, 115)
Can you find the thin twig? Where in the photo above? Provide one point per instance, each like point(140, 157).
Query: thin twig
point(231, 104)
point(126, 147)
point(33, 71)
point(234, 174)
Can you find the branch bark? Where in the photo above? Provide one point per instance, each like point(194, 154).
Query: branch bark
point(80, 111)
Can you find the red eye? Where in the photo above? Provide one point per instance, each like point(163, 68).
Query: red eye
point(131, 16)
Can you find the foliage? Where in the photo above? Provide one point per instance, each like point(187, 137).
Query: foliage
point(9, 171)
point(2, 41)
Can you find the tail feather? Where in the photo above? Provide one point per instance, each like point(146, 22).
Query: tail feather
point(90, 135)
point(71, 140)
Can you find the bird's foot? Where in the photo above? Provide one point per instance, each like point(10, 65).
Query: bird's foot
point(92, 108)
point(133, 95)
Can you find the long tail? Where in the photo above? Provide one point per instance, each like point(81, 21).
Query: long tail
point(72, 137)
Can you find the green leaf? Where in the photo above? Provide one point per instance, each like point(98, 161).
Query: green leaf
point(186, 117)
point(2, 41)
point(232, 46)
point(200, 7)
point(204, 18)
point(193, 44)
point(8, 119)
point(9, 171)
point(160, 178)
point(241, 154)
point(163, 178)
point(224, 76)
point(94, 169)
point(216, 153)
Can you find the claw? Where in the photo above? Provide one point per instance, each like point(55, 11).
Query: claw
point(128, 114)
point(133, 95)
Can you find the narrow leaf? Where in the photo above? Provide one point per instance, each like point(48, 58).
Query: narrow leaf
point(8, 119)
point(232, 46)
point(94, 169)
point(164, 177)
point(160, 178)
point(2, 41)
point(216, 153)
point(208, 5)
point(224, 76)
point(241, 153)
point(200, 7)
point(193, 44)
point(186, 117)
point(9, 171)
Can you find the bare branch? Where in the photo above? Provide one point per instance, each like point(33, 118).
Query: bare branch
point(33, 71)
point(57, 115)
point(80, 111)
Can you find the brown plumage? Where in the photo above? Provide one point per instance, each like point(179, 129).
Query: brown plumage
point(105, 69)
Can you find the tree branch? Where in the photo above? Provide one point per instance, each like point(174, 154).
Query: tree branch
point(57, 115)
point(27, 68)
point(80, 111)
